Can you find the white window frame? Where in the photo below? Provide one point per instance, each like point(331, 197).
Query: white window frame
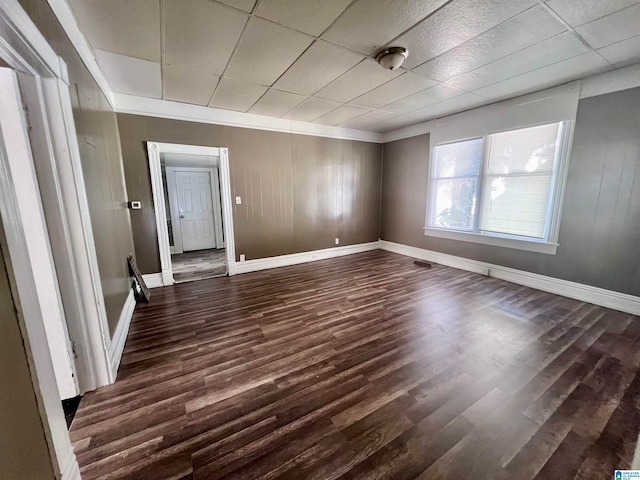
point(548, 244)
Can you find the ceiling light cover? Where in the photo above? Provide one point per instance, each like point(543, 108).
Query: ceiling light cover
point(392, 57)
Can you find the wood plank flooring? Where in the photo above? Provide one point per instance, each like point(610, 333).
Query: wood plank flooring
point(363, 367)
point(198, 265)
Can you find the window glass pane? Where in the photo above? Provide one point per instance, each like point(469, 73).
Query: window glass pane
point(454, 203)
point(527, 150)
point(516, 205)
point(460, 159)
point(517, 187)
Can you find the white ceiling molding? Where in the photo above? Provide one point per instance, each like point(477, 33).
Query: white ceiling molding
point(410, 131)
point(195, 113)
point(609, 82)
point(66, 18)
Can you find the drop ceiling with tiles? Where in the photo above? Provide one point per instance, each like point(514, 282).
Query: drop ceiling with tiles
point(312, 60)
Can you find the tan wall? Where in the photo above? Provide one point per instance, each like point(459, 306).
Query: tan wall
point(298, 192)
point(601, 212)
point(101, 162)
point(23, 449)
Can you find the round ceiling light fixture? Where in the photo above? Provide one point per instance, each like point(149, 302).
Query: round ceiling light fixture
point(392, 57)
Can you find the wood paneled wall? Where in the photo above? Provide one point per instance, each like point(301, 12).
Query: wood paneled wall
point(101, 162)
point(600, 225)
point(298, 192)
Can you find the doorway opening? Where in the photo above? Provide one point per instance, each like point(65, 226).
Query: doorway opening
point(192, 198)
point(194, 220)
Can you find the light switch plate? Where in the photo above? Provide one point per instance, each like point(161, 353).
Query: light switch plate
point(135, 205)
point(238, 201)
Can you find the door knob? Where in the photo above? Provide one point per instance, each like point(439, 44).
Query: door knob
point(181, 216)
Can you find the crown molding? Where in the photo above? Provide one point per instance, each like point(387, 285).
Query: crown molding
point(609, 82)
point(63, 13)
point(407, 132)
point(195, 113)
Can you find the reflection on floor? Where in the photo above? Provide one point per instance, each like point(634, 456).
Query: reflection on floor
point(198, 265)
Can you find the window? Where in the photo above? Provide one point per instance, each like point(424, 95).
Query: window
point(501, 189)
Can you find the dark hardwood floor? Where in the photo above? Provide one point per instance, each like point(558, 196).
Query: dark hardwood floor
point(366, 366)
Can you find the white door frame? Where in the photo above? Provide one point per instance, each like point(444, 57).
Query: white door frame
point(216, 205)
point(23, 144)
point(154, 150)
point(44, 76)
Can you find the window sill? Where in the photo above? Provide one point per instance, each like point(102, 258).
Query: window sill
point(528, 245)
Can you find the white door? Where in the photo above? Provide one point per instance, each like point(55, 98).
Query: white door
point(195, 209)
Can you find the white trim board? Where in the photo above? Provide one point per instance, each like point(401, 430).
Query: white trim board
point(71, 469)
point(304, 257)
point(63, 13)
point(195, 113)
point(120, 335)
point(586, 293)
point(154, 150)
point(153, 280)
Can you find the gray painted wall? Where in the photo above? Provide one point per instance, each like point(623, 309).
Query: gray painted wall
point(600, 227)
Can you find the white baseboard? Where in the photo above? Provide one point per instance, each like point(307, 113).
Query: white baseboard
point(120, 335)
point(586, 293)
point(153, 280)
point(70, 470)
point(296, 258)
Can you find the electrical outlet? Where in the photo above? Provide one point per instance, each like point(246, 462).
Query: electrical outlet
point(238, 200)
point(242, 257)
point(337, 241)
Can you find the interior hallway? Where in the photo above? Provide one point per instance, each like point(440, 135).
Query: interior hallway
point(198, 265)
point(366, 366)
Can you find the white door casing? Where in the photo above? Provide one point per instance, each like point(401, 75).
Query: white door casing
point(13, 125)
point(217, 207)
point(154, 151)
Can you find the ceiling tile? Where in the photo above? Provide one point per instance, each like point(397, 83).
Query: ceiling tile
point(317, 67)
point(393, 123)
point(552, 75)
point(341, 115)
point(553, 50)
point(311, 108)
point(245, 5)
point(466, 101)
point(454, 24)
point(424, 98)
point(612, 28)
point(398, 88)
point(530, 27)
point(371, 118)
point(368, 25)
point(201, 37)
point(187, 86)
point(121, 26)
point(266, 51)
point(365, 76)
point(234, 95)
point(275, 103)
point(130, 75)
point(308, 17)
point(625, 52)
point(579, 12)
